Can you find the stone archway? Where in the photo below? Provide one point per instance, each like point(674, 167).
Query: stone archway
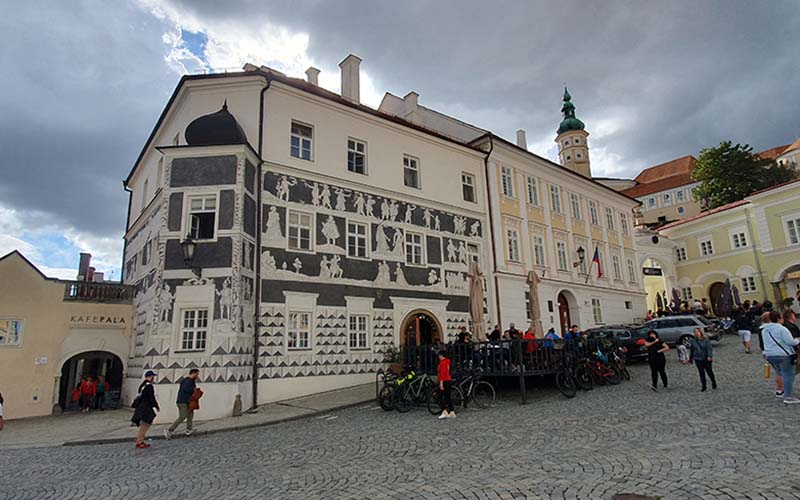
point(91, 364)
point(568, 310)
point(420, 327)
point(715, 292)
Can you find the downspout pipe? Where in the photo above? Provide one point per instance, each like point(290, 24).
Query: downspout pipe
point(756, 258)
point(489, 199)
point(259, 187)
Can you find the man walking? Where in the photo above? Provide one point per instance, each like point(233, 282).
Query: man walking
point(185, 412)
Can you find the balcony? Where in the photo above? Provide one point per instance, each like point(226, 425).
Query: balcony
point(87, 291)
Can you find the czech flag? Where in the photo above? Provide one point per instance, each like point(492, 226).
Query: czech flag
point(596, 260)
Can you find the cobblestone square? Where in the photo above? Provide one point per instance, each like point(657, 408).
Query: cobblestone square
point(735, 442)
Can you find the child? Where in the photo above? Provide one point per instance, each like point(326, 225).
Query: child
point(445, 383)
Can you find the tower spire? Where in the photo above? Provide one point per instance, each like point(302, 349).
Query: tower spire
point(573, 151)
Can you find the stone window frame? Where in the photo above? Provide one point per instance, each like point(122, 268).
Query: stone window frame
point(597, 311)
point(705, 246)
point(738, 238)
point(195, 329)
point(562, 256)
point(791, 224)
point(468, 182)
point(300, 303)
point(411, 163)
point(536, 253)
point(422, 248)
point(300, 137)
point(507, 181)
point(610, 218)
point(533, 191)
point(748, 284)
point(575, 203)
point(354, 152)
point(188, 211)
point(360, 307)
point(312, 230)
point(367, 238)
point(512, 237)
point(594, 215)
point(556, 204)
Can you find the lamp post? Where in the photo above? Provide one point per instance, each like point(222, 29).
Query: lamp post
point(188, 246)
point(581, 257)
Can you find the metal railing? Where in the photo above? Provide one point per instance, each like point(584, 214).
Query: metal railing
point(97, 292)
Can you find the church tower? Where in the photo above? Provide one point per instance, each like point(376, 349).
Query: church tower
point(573, 150)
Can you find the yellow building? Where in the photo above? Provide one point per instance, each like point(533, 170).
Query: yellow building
point(53, 332)
point(754, 242)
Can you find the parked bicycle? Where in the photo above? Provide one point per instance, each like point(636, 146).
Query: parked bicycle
point(465, 389)
point(411, 390)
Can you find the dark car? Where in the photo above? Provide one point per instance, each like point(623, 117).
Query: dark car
point(627, 336)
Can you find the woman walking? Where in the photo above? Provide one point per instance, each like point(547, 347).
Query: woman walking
point(144, 404)
point(744, 326)
point(655, 357)
point(779, 352)
point(702, 355)
point(445, 384)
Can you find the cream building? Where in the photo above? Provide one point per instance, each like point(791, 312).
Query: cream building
point(754, 242)
point(52, 332)
point(541, 213)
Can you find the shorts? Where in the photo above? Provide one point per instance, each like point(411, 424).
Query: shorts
point(745, 335)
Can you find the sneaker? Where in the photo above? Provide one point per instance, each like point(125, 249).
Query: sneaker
point(167, 434)
point(654, 389)
point(452, 415)
point(189, 432)
point(142, 445)
point(791, 401)
point(778, 394)
point(443, 416)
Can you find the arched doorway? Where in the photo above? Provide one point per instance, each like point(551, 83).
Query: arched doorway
point(655, 284)
point(420, 328)
point(92, 364)
point(715, 295)
point(564, 315)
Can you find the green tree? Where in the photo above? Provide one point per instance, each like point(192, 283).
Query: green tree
point(729, 172)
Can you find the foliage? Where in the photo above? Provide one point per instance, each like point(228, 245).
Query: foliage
point(393, 354)
point(729, 172)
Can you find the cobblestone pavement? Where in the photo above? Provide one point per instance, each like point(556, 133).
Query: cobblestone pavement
point(736, 442)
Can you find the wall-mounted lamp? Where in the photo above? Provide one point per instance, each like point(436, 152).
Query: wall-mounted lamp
point(581, 257)
point(188, 246)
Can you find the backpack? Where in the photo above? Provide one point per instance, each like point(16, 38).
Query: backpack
point(138, 397)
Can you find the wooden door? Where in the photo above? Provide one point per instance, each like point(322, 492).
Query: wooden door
point(563, 313)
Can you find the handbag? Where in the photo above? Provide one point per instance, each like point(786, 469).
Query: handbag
point(792, 357)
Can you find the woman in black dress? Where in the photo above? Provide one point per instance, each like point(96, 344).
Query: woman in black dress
point(145, 407)
point(655, 357)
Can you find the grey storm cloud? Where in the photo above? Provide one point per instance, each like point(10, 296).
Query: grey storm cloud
point(84, 83)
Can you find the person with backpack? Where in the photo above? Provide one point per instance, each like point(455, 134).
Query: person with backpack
point(703, 356)
point(145, 406)
point(101, 386)
point(186, 392)
point(656, 358)
point(779, 351)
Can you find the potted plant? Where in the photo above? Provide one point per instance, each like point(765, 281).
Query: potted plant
point(394, 356)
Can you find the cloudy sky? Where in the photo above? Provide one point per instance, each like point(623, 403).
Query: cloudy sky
point(84, 81)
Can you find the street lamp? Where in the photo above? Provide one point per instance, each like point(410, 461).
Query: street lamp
point(581, 256)
point(188, 246)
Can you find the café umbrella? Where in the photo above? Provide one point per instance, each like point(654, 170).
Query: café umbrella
point(659, 301)
point(476, 301)
point(533, 289)
point(737, 301)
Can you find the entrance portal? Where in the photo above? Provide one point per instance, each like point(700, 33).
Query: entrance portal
point(92, 364)
point(715, 296)
point(563, 313)
point(420, 328)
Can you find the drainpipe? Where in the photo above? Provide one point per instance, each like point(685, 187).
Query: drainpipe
point(257, 294)
point(489, 199)
point(756, 258)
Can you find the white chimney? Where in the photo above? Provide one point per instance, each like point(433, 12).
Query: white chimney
point(412, 101)
point(350, 77)
point(312, 75)
point(522, 141)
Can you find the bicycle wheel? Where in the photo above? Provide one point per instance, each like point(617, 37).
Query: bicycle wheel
point(458, 399)
point(621, 370)
point(386, 397)
point(403, 401)
point(566, 384)
point(612, 377)
point(483, 394)
point(433, 402)
point(584, 378)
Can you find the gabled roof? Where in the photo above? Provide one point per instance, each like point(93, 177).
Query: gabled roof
point(667, 175)
point(773, 153)
point(792, 147)
point(29, 263)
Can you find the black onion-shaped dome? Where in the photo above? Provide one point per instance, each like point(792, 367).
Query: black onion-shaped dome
point(216, 129)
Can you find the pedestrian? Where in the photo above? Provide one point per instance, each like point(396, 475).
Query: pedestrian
point(445, 385)
point(703, 356)
point(790, 322)
point(88, 390)
point(494, 336)
point(185, 393)
point(744, 326)
point(779, 351)
point(101, 386)
point(656, 358)
point(145, 407)
point(649, 315)
point(1, 411)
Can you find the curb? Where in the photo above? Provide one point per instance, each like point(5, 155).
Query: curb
point(312, 413)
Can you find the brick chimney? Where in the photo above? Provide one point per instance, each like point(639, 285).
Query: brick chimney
point(350, 67)
point(312, 75)
point(522, 140)
point(83, 266)
point(411, 101)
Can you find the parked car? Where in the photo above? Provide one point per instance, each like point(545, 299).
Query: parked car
point(627, 336)
point(680, 329)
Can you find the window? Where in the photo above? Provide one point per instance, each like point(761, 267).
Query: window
point(194, 329)
point(593, 217)
point(631, 271)
point(681, 210)
point(10, 332)
point(628, 305)
point(533, 192)
point(793, 230)
point(738, 240)
point(301, 141)
point(473, 253)
point(358, 331)
point(538, 251)
point(610, 218)
point(667, 199)
point(411, 172)
point(299, 230)
point(651, 202)
point(691, 194)
point(597, 311)
point(513, 245)
point(468, 187)
point(623, 222)
point(414, 249)
point(706, 247)
point(356, 156)
point(680, 254)
point(555, 199)
point(575, 201)
point(146, 253)
point(299, 330)
point(680, 196)
point(748, 284)
point(686, 292)
point(528, 304)
point(202, 217)
point(507, 179)
point(561, 254)
point(615, 264)
point(357, 239)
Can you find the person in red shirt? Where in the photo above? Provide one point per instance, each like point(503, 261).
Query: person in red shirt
point(445, 385)
point(88, 391)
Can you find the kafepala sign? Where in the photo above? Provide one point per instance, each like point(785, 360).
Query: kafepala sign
point(97, 319)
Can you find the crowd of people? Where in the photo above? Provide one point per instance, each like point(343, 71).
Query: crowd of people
point(90, 393)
